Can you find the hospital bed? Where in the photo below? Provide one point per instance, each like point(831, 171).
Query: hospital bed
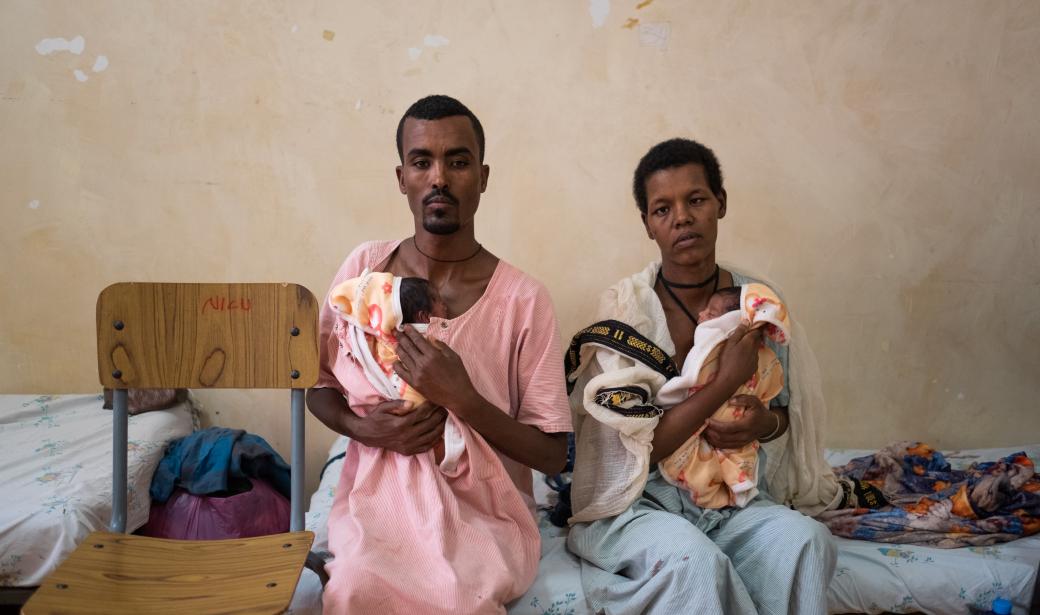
point(869, 577)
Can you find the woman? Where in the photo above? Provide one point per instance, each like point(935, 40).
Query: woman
point(645, 548)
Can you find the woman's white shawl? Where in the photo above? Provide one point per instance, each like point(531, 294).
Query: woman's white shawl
point(613, 450)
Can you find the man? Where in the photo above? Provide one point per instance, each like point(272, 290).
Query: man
point(407, 535)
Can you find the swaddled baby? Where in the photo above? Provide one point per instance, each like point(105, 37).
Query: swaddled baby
point(717, 478)
point(375, 306)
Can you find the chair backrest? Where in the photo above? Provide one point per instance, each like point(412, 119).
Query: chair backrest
point(230, 336)
point(206, 336)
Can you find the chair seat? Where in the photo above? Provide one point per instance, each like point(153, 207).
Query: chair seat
point(123, 573)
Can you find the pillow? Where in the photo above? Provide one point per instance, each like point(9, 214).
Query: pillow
point(146, 400)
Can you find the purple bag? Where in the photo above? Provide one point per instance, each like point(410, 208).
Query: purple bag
point(257, 512)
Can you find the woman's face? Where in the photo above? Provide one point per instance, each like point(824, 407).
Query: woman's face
point(682, 214)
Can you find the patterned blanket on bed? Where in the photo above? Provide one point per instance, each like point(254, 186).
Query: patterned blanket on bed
point(907, 493)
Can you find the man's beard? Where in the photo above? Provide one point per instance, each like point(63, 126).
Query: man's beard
point(440, 226)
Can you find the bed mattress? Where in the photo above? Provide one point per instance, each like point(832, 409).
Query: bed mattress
point(56, 475)
point(869, 578)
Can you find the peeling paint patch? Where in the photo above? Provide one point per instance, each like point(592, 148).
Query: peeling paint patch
point(599, 9)
point(51, 45)
point(435, 40)
point(357, 105)
point(100, 64)
point(34, 204)
point(328, 35)
point(630, 23)
point(295, 28)
point(430, 40)
point(80, 75)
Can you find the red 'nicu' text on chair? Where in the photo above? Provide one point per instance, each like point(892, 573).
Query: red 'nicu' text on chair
point(152, 335)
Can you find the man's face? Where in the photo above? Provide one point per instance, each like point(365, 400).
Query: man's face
point(441, 172)
point(682, 213)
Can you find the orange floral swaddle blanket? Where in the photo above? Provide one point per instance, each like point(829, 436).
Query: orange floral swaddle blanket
point(716, 478)
point(371, 306)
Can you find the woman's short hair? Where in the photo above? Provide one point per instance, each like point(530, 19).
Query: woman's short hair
point(671, 154)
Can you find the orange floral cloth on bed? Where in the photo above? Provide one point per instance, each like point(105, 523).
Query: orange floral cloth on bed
point(907, 493)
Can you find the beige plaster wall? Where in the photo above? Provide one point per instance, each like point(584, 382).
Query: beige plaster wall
point(881, 162)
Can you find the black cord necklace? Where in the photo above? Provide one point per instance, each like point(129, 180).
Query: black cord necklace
point(713, 277)
point(444, 260)
point(668, 286)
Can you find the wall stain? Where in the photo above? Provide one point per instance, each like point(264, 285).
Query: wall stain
point(630, 23)
point(328, 35)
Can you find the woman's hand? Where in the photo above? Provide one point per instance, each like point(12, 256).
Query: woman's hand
point(754, 423)
point(738, 360)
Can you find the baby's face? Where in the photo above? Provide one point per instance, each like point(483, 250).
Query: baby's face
point(438, 307)
point(717, 306)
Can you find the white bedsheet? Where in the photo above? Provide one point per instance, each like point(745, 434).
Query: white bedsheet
point(869, 578)
point(56, 476)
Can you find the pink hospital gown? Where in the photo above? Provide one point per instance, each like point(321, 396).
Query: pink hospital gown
point(409, 538)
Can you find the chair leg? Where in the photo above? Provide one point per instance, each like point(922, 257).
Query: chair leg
point(120, 417)
point(297, 468)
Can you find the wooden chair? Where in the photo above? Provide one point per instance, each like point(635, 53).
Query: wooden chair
point(193, 336)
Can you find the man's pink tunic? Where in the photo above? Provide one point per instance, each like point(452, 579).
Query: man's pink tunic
point(410, 538)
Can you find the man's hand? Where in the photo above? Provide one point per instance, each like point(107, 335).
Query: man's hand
point(410, 433)
point(755, 423)
point(434, 370)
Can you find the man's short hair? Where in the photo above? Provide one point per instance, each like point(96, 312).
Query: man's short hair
point(437, 107)
point(671, 154)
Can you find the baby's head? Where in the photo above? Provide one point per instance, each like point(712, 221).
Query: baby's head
point(420, 301)
point(722, 301)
